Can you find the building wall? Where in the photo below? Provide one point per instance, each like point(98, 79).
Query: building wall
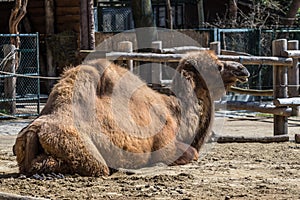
point(5, 9)
point(66, 14)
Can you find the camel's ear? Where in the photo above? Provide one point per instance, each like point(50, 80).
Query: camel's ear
point(190, 66)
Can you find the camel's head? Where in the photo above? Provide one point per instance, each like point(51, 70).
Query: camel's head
point(206, 71)
point(233, 72)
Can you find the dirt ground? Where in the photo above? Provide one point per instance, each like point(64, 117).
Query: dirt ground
point(224, 171)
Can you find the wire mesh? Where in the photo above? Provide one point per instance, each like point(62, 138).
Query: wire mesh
point(115, 19)
point(19, 95)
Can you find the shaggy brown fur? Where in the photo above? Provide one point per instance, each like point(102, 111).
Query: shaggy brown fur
point(101, 116)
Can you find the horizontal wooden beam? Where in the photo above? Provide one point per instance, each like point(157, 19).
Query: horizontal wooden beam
point(243, 139)
point(258, 60)
point(254, 106)
point(233, 53)
point(251, 91)
point(294, 101)
point(292, 53)
point(154, 57)
point(183, 49)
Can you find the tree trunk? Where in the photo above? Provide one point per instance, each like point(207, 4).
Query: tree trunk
point(200, 8)
point(291, 14)
point(49, 17)
point(16, 16)
point(144, 24)
point(233, 12)
point(169, 15)
point(145, 32)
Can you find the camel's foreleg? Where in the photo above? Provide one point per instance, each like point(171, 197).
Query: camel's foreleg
point(188, 153)
point(66, 144)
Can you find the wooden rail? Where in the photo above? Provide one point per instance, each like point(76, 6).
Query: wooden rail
point(155, 57)
point(251, 91)
point(254, 106)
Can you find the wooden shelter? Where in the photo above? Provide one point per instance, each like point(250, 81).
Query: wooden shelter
point(52, 17)
point(64, 27)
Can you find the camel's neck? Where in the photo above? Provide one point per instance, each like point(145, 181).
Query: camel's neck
point(206, 117)
point(196, 110)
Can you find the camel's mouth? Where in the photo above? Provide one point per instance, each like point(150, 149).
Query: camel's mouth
point(242, 79)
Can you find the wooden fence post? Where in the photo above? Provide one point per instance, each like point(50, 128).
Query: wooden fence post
point(156, 67)
point(293, 76)
point(216, 47)
point(126, 46)
point(280, 85)
point(10, 82)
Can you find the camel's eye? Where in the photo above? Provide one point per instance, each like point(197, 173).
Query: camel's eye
point(220, 67)
point(240, 67)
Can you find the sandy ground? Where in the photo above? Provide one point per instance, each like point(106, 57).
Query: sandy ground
point(224, 171)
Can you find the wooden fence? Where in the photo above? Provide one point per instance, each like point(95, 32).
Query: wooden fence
point(285, 75)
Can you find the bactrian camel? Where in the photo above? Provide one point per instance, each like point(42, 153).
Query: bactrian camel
point(100, 116)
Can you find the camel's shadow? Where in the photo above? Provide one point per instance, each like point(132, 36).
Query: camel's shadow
point(10, 175)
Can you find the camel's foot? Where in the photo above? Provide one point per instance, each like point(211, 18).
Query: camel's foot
point(45, 164)
point(189, 154)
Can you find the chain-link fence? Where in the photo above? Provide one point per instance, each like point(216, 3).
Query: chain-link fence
point(114, 19)
point(19, 70)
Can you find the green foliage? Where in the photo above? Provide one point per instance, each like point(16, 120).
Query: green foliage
point(4, 111)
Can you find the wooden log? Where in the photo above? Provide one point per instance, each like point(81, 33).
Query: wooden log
point(154, 57)
point(234, 53)
point(183, 49)
point(251, 91)
point(293, 75)
point(293, 101)
point(258, 60)
point(279, 79)
point(243, 139)
point(254, 106)
point(292, 53)
point(148, 57)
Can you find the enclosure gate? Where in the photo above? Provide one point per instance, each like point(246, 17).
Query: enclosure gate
point(19, 76)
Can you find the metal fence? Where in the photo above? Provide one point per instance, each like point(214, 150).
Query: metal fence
point(113, 19)
point(19, 81)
